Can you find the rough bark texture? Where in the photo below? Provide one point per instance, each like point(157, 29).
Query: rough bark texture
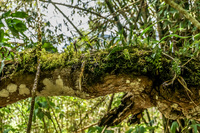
point(107, 72)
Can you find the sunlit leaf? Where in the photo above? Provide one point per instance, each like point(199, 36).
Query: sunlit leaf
point(19, 15)
point(1, 35)
point(174, 127)
point(1, 24)
point(21, 27)
point(49, 47)
point(6, 14)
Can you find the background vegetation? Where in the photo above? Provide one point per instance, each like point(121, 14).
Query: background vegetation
point(153, 24)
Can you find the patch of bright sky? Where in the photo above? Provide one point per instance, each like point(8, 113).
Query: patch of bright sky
point(55, 18)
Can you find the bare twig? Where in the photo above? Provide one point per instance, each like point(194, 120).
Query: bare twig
point(93, 108)
point(187, 62)
point(38, 70)
point(79, 32)
point(87, 127)
point(104, 129)
point(139, 12)
point(119, 25)
point(81, 75)
point(149, 119)
point(54, 114)
point(33, 98)
point(76, 7)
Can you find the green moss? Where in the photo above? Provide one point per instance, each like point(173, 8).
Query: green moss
point(121, 60)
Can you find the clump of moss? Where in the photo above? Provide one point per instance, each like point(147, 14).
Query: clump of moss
point(119, 60)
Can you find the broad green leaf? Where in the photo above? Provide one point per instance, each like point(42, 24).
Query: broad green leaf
point(6, 14)
point(6, 131)
point(19, 15)
point(174, 126)
point(11, 27)
point(1, 35)
point(140, 129)
point(49, 47)
point(1, 24)
point(21, 27)
point(194, 126)
point(147, 29)
point(40, 114)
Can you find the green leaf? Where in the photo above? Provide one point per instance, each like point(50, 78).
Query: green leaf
point(21, 27)
point(19, 15)
point(1, 35)
point(174, 126)
point(197, 36)
point(40, 114)
point(126, 54)
point(1, 24)
point(130, 130)
point(6, 131)
point(174, 35)
point(11, 27)
point(49, 47)
point(147, 29)
point(6, 14)
point(194, 126)
point(140, 129)
point(92, 130)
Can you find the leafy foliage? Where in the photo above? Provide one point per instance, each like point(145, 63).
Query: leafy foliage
point(112, 25)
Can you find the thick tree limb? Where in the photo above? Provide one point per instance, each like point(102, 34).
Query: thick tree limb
point(184, 12)
point(107, 73)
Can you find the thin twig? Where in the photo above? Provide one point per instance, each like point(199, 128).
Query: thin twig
point(183, 83)
point(87, 127)
point(187, 62)
point(54, 114)
point(92, 109)
point(149, 119)
point(79, 32)
point(81, 75)
point(38, 69)
point(104, 129)
point(77, 7)
point(33, 98)
point(110, 103)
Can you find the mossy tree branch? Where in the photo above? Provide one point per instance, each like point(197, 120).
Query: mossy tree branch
point(107, 72)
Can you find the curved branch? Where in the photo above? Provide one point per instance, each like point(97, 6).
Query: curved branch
point(107, 73)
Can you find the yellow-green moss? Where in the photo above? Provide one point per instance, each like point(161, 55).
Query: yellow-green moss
point(127, 60)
